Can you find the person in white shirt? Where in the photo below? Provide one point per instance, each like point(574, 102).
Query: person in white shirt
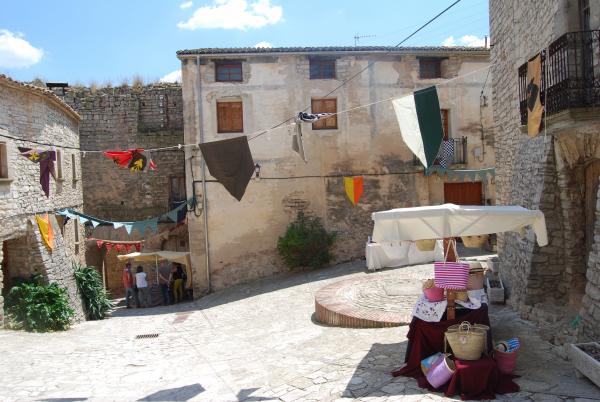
point(142, 285)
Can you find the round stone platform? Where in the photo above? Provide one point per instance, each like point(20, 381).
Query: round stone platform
point(371, 301)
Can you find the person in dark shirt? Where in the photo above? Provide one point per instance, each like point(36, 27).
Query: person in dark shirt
point(177, 280)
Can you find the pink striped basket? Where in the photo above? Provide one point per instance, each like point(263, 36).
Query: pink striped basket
point(451, 275)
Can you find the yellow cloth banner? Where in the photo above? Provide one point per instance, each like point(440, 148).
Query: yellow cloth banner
point(354, 188)
point(46, 230)
point(535, 110)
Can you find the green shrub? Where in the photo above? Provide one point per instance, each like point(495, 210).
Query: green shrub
point(306, 243)
point(95, 298)
point(36, 306)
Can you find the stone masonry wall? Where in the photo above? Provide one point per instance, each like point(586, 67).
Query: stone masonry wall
point(30, 113)
point(590, 311)
point(118, 119)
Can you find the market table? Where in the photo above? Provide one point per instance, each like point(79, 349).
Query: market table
point(478, 379)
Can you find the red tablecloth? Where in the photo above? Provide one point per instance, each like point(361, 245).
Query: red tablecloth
point(477, 379)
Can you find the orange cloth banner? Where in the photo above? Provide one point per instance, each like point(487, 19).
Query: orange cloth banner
point(46, 230)
point(535, 110)
point(354, 188)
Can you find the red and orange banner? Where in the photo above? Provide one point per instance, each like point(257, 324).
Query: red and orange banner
point(46, 230)
point(354, 188)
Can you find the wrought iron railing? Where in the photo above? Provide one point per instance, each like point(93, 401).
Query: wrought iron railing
point(570, 74)
point(459, 156)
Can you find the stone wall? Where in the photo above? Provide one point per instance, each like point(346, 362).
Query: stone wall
point(546, 172)
point(31, 113)
point(117, 119)
point(242, 236)
point(590, 311)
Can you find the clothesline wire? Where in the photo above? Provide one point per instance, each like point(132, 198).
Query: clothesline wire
point(37, 212)
point(364, 68)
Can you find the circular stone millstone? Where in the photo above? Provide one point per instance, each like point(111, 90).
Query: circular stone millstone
point(369, 301)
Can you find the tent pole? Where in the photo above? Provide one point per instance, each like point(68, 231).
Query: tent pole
point(451, 296)
point(156, 264)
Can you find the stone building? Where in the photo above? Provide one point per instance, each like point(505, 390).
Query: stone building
point(558, 170)
point(233, 92)
point(29, 114)
point(121, 118)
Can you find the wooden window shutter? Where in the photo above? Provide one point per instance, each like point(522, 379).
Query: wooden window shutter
point(445, 125)
point(230, 117)
point(325, 106)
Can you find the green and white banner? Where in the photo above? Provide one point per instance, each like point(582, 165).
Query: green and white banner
point(421, 123)
point(462, 174)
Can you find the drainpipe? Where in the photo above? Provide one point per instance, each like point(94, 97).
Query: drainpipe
point(203, 175)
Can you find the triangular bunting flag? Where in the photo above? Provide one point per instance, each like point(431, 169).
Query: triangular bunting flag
point(83, 220)
point(119, 247)
point(118, 225)
point(153, 224)
point(128, 228)
point(298, 142)
point(173, 214)
point(128, 247)
point(420, 123)
point(99, 243)
point(138, 247)
point(94, 223)
point(108, 246)
point(354, 188)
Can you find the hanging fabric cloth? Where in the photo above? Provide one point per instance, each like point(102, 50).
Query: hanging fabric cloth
point(354, 188)
point(446, 154)
point(298, 141)
point(535, 110)
point(136, 160)
point(46, 160)
point(46, 231)
point(230, 162)
point(310, 117)
point(420, 123)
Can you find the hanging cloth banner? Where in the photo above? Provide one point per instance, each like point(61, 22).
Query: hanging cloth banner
point(230, 162)
point(46, 160)
point(126, 244)
point(472, 174)
point(129, 226)
point(136, 160)
point(354, 188)
point(46, 231)
point(535, 110)
point(446, 155)
point(298, 141)
point(420, 123)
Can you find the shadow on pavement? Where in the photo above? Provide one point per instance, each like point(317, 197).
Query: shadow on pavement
point(245, 395)
point(175, 394)
point(62, 399)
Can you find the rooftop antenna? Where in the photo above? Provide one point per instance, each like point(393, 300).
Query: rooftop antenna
point(357, 38)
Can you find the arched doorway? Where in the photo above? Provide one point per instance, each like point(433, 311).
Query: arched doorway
point(592, 175)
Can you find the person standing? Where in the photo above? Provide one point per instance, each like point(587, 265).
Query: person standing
point(128, 284)
point(177, 278)
point(163, 281)
point(142, 285)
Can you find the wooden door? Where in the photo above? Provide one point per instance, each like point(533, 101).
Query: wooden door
point(5, 271)
point(592, 174)
point(468, 193)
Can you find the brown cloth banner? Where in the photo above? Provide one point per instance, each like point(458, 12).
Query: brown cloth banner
point(535, 109)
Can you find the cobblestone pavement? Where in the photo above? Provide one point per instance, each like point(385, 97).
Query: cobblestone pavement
point(255, 342)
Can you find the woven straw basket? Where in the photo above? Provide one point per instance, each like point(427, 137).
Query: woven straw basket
point(474, 241)
point(425, 245)
point(467, 341)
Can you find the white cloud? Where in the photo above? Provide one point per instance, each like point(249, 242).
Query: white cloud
point(234, 14)
point(185, 5)
point(467, 40)
point(174, 76)
point(264, 44)
point(16, 52)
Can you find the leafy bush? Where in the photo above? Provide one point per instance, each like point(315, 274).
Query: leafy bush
point(95, 298)
point(39, 307)
point(306, 243)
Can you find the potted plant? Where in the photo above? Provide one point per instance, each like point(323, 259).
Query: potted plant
point(586, 359)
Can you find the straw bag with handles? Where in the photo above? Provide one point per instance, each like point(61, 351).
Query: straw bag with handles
point(451, 275)
point(467, 341)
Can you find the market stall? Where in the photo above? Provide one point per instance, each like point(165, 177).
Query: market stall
point(451, 317)
point(182, 258)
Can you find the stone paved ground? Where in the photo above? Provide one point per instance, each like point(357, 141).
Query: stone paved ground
point(254, 342)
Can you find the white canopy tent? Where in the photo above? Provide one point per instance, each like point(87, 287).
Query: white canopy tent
point(182, 258)
point(450, 220)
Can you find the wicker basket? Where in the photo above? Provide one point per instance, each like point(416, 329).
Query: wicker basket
point(461, 295)
point(468, 342)
point(425, 245)
point(475, 241)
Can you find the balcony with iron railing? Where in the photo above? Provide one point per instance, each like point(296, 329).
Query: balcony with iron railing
point(459, 153)
point(570, 74)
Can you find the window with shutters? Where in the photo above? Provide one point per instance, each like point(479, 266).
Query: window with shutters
point(322, 69)
point(230, 117)
point(74, 168)
point(430, 67)
point(445, 119)
point(3, 161)
point(228, 72)
point(59, 165)
point(324, 106)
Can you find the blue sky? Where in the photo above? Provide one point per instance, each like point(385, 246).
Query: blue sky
point(115, 40)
